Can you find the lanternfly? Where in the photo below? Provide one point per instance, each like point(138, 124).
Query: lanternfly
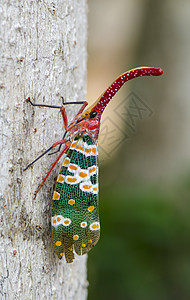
point(74, 215)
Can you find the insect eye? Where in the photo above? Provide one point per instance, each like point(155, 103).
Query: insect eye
point(93, 114)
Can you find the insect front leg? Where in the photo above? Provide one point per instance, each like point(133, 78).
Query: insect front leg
point(82, 108)
point(63, 112)
point(59, 146)
point(53, 146)
point(64, 116)
point(67, 145)
point(65, 120)
point(42, 105)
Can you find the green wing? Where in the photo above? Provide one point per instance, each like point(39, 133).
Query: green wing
point(75, 219)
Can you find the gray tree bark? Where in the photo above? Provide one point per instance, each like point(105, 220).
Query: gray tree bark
point(43, 56)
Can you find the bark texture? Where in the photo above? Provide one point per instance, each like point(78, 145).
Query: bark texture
point(43, 56)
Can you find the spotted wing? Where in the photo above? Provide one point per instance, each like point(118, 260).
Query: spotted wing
point(75, 219)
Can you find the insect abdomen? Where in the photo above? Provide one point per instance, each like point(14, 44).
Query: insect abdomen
point(75, 219)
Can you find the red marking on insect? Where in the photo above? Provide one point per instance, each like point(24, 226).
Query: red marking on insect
point(14, 252)
point(88, 121)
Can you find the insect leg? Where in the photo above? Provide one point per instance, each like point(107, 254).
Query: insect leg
point(56, 150)
point(64, 116)
point(52, 167)
point(85, 103)
point(53, 146)
point(59, 145)
point(82, 108)
point(65, 120)
point(37, 158)
point(72, 102)
point(42, 105)
point(63, 112)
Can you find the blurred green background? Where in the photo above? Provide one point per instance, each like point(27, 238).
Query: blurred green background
point(144, 249)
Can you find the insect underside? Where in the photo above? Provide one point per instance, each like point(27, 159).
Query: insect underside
point(74, 215)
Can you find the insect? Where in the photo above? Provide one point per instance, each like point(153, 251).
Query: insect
point(74, 215)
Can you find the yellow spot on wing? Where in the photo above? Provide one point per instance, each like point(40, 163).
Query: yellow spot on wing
point(61, 254)
point(71, 201)
point(89, 241)
point(72, 167)
point(83, 224)
point(87, 150)
point(94, 150)
point(58, 243)
point(91, 208)
point(75, 237)
point(92, 169)
point(71, 179)
point(82, 174)
point(74, 144)
point(56, 196)
point(58, 219)
point(87, 186)
point(66, 161)
point(95, 226)
point(60, 178)
point(67, 222)
point(83, 245)
point(80, 148)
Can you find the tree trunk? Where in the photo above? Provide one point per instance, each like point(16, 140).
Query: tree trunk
point(43, 57)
